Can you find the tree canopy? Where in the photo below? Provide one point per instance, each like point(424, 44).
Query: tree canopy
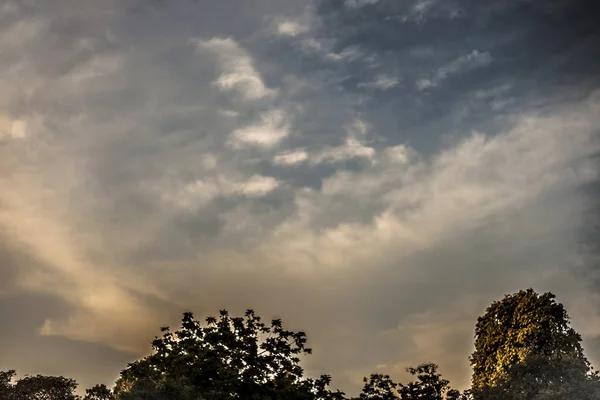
point(37, 387)
point(227, 357)
point(429, 386)
point(520, 327)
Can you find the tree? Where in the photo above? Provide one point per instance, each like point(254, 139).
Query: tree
point(545, 378)
point(41, 387)
point(428, 386)
point(98, 392)
point(228, 357)
point(379, 387)
point(6, 385)
point(524, 344)
point(518, 326)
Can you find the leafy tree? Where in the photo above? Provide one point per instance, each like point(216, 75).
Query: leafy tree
point(519, 326)
point(428, 386)
point(6, 387)
point(227, 357)
point(545, 378)
point(98, 392)
point(379, 387)
point(41, 387)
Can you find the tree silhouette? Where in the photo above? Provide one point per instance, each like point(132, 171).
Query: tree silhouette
point(429, 386)
point(98, 392)
point(227, 357)
point(42, 387)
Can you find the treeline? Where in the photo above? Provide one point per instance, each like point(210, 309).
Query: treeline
point(525, 349)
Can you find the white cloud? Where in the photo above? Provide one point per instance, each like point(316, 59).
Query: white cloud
point(349, 53)
point(421, 10)
point(291, 157)
point(359, 3)
point(199, 193)
point(324, 49)
point(397, 154)
point(312, 45)
point(421, 7)
point(13, 129)
point(229, 113)
point(462, 64)
point(353, 147)
point(423, 84)
point(473, 60)
point(382, 82)
point(291, 28)
point(239, 73)
point(273, 128)
point(257, 186)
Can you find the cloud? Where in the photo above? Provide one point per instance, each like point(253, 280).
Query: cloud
point(382, 82)
point(291, 28)
point(291, 157)
point(460, 65)
point(97, 67)
point(353, 146)
point(272, 129)
point(359, 3)
point(62, 269)
point(239, 73)
point(257, 186)
point(12, 129)
point(199, 193)
point(324, 49)
point(424, 202)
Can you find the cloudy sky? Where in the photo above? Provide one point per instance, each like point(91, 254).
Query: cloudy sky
point(374, 172)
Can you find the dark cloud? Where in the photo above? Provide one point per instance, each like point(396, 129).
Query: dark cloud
point(537, 50)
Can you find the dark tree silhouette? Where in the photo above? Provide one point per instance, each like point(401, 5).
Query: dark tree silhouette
point(42, 387)
point(98, 392)
point(429, 386)
point(228, 357)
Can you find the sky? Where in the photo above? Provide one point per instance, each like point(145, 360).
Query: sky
point(373, 172)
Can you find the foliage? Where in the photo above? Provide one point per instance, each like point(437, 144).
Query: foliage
point(379, 387)
point(6, 387)
point(98, 392)
point(41, 387)
point(428, 386)
point(519, 326)
point(228, 357)
point(545, 378)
